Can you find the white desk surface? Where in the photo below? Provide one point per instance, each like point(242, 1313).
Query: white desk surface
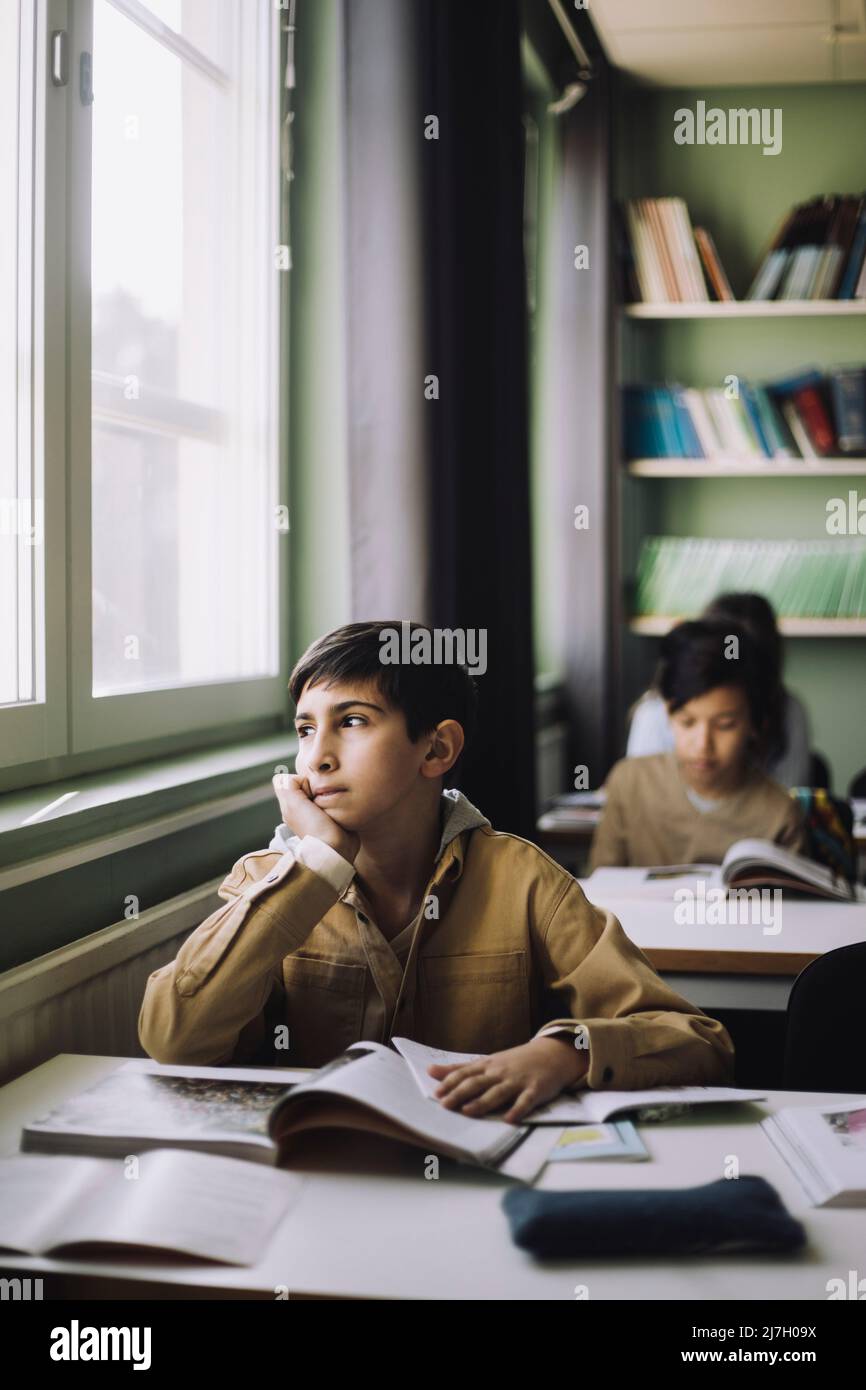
point(387, 1232)
point(809, 928)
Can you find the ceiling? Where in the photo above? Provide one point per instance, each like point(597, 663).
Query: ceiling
point(684, 43)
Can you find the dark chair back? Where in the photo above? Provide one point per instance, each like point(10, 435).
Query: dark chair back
point(858, 785)
point(824, 1047)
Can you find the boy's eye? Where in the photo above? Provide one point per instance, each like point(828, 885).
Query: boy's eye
point(303, 729)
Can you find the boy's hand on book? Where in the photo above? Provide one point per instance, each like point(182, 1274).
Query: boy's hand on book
point(520, 1077)
point(303, 817)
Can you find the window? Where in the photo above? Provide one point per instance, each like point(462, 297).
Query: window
point(20, 508)
point(157, 299)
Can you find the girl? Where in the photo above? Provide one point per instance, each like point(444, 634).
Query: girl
point(691, 804)
point(787, 756)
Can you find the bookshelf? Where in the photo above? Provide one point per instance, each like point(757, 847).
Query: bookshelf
point(750, 309)
point(657, 626)
point(747, 468)
point(740, 197)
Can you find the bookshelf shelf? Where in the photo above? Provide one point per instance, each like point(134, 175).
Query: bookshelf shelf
point(654, 625)
point(747, 468)
point(748, 309)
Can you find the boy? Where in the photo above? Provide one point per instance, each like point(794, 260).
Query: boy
point(395, 909)
point(691, 805)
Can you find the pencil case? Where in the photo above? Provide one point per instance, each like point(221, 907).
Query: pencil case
point(730, 1214)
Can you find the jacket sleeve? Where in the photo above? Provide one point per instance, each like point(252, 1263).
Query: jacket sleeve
point(609, 843)
point(641, 1033)
point(208, 1006)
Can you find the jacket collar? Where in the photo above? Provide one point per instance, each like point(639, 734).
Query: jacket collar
point(457, 817)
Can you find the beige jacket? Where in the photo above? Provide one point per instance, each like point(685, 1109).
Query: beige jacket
point(649, 819)
point(505, 946)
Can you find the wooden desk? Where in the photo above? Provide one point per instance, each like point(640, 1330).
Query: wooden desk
point(374, 1227)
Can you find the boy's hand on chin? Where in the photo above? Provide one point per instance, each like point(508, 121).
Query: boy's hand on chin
point(520, 1077)
point(303, 817)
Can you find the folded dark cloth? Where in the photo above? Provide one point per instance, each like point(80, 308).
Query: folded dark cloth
point(744, 1213)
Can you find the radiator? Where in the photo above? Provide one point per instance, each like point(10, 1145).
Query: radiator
point(86, 997)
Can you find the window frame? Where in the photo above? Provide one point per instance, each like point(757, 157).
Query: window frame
point(71, 728)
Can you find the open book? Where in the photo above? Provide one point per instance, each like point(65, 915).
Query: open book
point(825, 1145)
point(142, 1106)
point(192, 1204)
point(593, 1107)
point(369, 1087)
point(747, 864)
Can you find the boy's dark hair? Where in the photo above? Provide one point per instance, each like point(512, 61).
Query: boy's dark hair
point(693, 661)
point(426, 693)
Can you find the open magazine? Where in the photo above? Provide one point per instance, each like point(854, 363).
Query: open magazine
point(238, 1113)
point(189, 1203)
point(747, 864)
point(825, 1146)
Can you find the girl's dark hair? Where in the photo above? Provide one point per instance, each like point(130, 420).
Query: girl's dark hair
point(426, 693)
point(757, 615)
point(697, 657)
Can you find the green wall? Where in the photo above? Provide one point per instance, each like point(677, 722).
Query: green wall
point(740, 195)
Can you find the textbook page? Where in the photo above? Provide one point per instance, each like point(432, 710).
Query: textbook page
point(377, 1077)
point(592, 1107)
point(221, 1209)
point(561, 1110)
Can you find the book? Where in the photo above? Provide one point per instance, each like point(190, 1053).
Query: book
point(368, 1088)
point(817, 252)
point(825, 1147)
point(749, 863)
point(592, 1107)
point(589, 800)
point(618, 1140)
point(677, 576)
point(807, 415)
point(664, 258)
point(712, 264)
point(813, 412)
point(202, 1205)
point(371, 1088)
point(142, 1106)
point(848, 385)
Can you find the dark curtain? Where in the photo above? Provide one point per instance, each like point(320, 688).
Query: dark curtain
point(479, 519)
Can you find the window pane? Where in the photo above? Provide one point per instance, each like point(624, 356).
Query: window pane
point(184, 293)
point(204, 23)
point(21, 512)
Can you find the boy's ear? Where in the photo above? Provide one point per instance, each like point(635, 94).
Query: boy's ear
point(446, 745)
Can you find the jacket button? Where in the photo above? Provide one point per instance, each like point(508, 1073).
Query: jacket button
point(607, 1074)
